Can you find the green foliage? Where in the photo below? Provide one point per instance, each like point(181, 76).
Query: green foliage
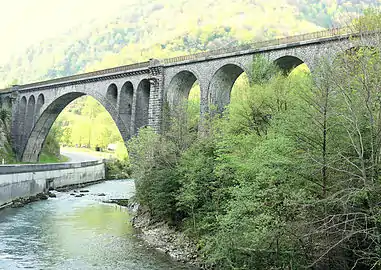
point(297, 189)
point(263, 70)
point(370, 21)
point(200, 189)
point(51, 158)
point(231, 188)
point(256, 230)
point(6, 151)
point(51, 145)
point(121, 152)
point(118, 169)
point(85, 122)
point(50, 152)
point(4, 116)
point(152, 159)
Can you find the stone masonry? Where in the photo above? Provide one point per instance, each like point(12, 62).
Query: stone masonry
point(135, 95)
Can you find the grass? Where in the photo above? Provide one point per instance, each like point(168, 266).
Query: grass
point(50, 158)
point(7, 154)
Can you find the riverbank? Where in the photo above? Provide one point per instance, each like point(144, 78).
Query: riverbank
point(161, 236)
point(71, 233)
point(164, 238)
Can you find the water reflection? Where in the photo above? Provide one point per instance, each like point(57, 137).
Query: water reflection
point(76, 233)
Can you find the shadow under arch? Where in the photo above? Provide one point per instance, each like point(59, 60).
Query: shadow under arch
point(180, 87)
point(142, 104)
point(112, 93)
point(288, 63)
point(221, 85)
point(29, 116)
point(39, 104)
point(126, 102)
point(40, 131)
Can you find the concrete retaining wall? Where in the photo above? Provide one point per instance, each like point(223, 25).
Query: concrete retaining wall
point(18, 181)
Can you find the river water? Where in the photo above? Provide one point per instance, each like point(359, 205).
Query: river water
point(77, 233)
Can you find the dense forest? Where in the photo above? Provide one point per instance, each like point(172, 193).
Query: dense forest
point(286, 178)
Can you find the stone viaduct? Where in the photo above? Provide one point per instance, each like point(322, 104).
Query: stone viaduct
point(134, 95)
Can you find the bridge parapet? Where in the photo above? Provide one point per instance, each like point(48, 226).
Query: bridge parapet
point(86, 76)
point(24, 168)
point(329, 33)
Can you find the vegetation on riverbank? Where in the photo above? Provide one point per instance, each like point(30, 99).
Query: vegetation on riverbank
point(287, 178)
point(118, 169)
point(49, 158)
point(6, 152)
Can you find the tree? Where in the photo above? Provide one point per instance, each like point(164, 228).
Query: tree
point(4, 117)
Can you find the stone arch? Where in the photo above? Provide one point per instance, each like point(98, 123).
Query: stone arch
point(222, 83)
point(21, 116)
point(112, 93)
point(288, 63)
point(125, 103)
point(29, 116)
point(142, 104)
point(50, 113)
point(180, 86)
point(40, 103)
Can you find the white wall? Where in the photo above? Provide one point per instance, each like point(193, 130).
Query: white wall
point(18, 181)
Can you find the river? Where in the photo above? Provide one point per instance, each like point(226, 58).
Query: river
point(77, 233)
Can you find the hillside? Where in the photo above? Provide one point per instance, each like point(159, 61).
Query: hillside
point(121, 33)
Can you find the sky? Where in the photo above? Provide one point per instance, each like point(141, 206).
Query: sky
point(25, 22)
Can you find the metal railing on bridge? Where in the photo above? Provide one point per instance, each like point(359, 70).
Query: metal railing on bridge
point(333, 32)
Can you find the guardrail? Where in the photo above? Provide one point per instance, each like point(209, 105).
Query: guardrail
point(88, 75)
point(24, 168)
point(334, 32)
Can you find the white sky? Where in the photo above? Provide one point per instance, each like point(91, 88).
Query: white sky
point(23, 22)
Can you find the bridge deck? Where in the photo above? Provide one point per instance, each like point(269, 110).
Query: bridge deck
point(320, 36)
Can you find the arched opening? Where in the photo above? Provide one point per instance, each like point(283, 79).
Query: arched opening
point(112, 93)
point(80, 122)
point(125, 103)
point(179, 88)
point(184, 95)
point(221, 86)
point(29, 117)
point(40, 103)
point(142, 104)
point(288, 63)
